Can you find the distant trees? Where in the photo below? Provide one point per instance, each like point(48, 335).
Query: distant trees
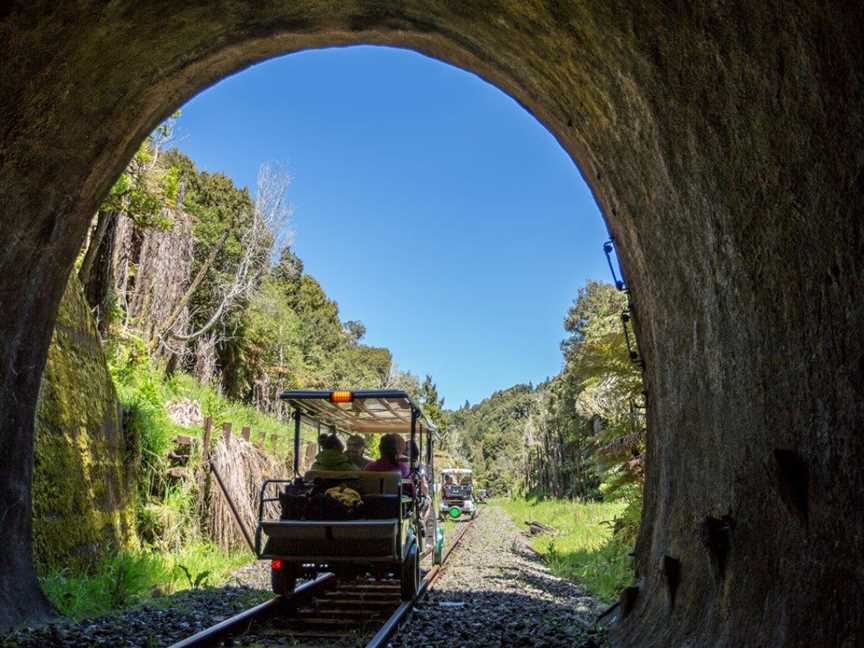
point(579, 434)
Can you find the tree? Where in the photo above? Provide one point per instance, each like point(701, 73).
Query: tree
point(433, 405)
point(355, 330)
point(265, 224)
point(288, 270)
point(141, 193)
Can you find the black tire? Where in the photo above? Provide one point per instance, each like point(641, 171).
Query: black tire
point(410, 573)
point(283, 580)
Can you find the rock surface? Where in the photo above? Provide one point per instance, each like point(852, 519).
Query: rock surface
point(83, 485)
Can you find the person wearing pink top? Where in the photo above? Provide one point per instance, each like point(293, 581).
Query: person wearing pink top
point(388, 448)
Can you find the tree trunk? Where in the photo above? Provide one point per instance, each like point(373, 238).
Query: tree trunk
point(193, 286)
point(103, 222)
point(99, 285)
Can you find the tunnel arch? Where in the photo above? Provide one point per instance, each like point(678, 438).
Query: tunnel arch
point(722, 143)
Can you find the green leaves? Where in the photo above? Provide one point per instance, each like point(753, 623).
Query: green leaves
point(143, 190)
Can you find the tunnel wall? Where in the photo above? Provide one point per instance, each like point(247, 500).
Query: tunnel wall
point(84, 481)
point(723, 143)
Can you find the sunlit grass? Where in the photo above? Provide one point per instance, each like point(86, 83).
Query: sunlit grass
point(583, 549)
point(128, 578)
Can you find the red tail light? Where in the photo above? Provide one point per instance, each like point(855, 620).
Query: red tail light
point(276, 564)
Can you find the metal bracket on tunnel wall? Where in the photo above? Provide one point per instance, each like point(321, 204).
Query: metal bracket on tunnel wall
point(626, 315)
point(608, 247)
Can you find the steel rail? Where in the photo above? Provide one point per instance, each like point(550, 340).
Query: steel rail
point(241, 621)
point(401, 613)
point(209, 635)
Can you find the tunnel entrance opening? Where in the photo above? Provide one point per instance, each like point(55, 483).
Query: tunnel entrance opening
point(723, 145)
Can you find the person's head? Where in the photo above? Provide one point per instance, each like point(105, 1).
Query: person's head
point(400, 444)
point(356, 445)
point(388, 447)
point(330, 442)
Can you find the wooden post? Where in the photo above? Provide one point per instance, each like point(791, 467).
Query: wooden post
point(205, 460)
point(245, 433)
point(226, 433)
point(262, 437)
point(205, 442)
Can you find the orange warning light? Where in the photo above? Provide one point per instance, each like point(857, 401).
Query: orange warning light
point(341, 397)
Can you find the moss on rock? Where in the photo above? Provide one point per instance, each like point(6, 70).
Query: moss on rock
point(82, 500)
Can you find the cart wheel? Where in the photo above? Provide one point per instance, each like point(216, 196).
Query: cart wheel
point(410, 573)
point(284, 580)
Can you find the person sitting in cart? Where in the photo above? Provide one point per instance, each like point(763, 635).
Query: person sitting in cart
point(420, 469)
point(330, 455)
point(388, 448)
point(356, 446)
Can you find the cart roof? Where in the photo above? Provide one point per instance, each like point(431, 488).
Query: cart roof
point(370, 411)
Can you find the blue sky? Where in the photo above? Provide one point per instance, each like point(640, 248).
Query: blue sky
point(429, 204)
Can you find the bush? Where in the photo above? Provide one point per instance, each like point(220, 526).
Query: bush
point(128, 578)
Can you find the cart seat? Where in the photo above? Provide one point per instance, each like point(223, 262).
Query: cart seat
point(366, 482)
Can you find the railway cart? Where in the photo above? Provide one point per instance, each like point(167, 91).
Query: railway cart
point(457, 494)
point(353, 522)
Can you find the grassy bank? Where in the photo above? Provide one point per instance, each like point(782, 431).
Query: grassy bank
point(129, 578)
point(583, 549)
point(172, 550)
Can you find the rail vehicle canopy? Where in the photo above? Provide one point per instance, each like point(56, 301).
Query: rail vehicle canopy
point(371, 411)
point(460, 475)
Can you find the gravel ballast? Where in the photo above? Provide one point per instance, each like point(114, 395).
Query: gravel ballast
point(495, 592)
point(161, 622)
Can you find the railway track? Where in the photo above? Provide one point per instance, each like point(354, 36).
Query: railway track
point(324, 612)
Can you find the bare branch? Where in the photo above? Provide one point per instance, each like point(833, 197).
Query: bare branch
point(269, 229)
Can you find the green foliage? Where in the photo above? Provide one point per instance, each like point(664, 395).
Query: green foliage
point(584, 548)
point(566, 436)
point(143, 189)
point(491, 436)
point(167, 519)
point(200, 579)
point(601, 381)
point(127, 578)
point(292, 336)
point(432, 403)
point(142, 395)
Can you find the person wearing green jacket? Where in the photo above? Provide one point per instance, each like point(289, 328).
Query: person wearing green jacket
point(330, 455)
